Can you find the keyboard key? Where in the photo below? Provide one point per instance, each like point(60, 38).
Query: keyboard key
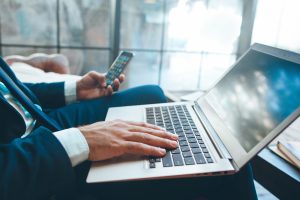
point(202, 146)
point(207, 155)
point(187, 154)
point(152, 165)
point(151, 122)
point(172, 131)
point(205, 150)
point(194, 145)
point(169, 127)
point(192, 140)
point(200, 142)
point(177, 159)
point(181, 138)
point(167, 161)
point(149, 110)
point(176, 124)
point(189, 161)
point(157, 159)
point(196, 150)
point(183, 143)
point(197, 133)
point(209, 160)
point(199, 158)
point(190, 135)
point(185, 148)
point(192, 123)
point(152, 160)
point(160, 124)
point(175, 151)
point(180, 134)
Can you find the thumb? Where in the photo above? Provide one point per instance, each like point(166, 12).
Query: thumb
point(98, 77)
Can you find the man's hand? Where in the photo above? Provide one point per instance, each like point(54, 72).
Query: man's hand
point(115, 138)
point(93, 85)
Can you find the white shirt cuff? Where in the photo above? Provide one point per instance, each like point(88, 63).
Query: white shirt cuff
point(70, 92)
point(75, 144)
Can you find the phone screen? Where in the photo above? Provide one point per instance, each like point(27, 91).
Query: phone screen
point(118, 66)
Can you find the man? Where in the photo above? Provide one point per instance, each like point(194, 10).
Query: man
point(42, 153)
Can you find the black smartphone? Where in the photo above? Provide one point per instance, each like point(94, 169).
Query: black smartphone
point(118, 67)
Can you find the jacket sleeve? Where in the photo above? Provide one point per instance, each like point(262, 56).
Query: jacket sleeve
point(34, 167)
point(50, 95)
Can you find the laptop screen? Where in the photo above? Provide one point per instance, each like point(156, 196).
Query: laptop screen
point(256, 95)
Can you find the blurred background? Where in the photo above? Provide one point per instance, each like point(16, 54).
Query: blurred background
point(178, 44)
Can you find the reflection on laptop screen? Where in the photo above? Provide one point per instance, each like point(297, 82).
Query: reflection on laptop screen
point(257, 95)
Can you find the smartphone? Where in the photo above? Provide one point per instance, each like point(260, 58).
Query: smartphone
point(118, 67)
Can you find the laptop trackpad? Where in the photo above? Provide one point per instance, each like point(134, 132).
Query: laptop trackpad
point(120, 168)
point(125, 158)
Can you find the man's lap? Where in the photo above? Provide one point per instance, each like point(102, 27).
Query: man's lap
point(239, 185)
point(90, 111)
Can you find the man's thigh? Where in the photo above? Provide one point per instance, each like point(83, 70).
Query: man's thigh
point(90, 111)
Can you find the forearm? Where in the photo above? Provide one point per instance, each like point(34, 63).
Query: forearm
point(50, 95)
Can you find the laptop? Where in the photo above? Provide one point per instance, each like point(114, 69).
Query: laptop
point(222, 130)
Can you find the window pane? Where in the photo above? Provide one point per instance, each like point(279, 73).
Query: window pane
point(7, 51)
point(85, 23)
point(213, 67)
point(143, 69)
point(180, 71)
point(210, 26)
point(276, 24)
point(83, 61)
point(28, 22)
point(141, 24)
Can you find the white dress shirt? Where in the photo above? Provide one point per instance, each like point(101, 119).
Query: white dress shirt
point(72, 139)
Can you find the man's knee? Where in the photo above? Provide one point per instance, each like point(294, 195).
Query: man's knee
point(152, 94)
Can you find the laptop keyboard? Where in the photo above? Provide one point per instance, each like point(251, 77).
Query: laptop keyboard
point(176, 119)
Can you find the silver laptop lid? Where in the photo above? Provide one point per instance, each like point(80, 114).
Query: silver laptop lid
point(254, 101)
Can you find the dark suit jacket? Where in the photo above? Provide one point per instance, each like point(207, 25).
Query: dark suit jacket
point(37, 166)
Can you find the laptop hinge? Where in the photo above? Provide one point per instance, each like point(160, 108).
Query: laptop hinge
point(217, 142)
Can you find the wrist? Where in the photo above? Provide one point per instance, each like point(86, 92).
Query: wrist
point(70, 91)
point(88, 135)
point(77, 90)
point(74, 143)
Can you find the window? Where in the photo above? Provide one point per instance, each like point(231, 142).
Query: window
point(179, 44)
point(78, 29)
point(191, 40)
point(276, 24)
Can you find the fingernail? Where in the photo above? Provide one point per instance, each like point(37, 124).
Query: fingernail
point(174, 136)
point(174, 144)
point(162, 151)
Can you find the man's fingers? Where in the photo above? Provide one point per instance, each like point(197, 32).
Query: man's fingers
point(109, 91)
point(143, 149)
point(116, 84)
point(122, 78)
point(156, 132)
point(144, 124)
point(100, 78)
point(151, 140)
